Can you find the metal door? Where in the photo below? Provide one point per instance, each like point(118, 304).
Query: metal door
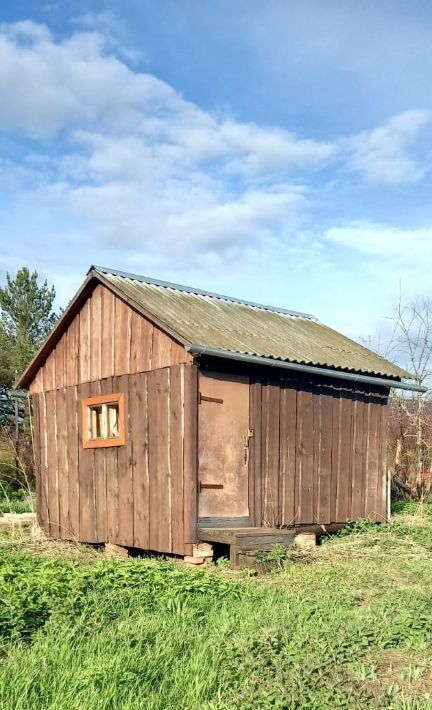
point(223, 450)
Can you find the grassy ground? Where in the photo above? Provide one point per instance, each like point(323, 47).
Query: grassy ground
point(15, 500)
point(347, 626)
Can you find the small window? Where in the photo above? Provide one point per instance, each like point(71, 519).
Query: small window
point(103, 421)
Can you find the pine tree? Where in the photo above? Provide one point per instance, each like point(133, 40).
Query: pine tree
point(26, 317)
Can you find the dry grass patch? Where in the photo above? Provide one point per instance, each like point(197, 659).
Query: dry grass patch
point(32, 541)
point(399, 674)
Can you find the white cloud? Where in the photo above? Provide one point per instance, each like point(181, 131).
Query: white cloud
point(121, 163)
point(384, 241)
point(80, 84)
point(382, 155)
point(266, 150)
point(137, 163)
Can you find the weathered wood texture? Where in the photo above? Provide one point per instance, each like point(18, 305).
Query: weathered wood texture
point(318, 454)
point(106, 338)
point(140, 495)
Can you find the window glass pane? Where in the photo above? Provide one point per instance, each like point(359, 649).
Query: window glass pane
point(103, 421)
point(113, 420)
point(95, 422)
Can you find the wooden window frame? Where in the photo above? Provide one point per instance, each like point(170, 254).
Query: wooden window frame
point(88, 402)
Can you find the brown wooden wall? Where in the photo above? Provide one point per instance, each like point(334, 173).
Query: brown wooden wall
point(318, 454)
point(106, 338)
point(142, 494)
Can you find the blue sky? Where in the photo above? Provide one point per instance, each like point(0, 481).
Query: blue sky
point(277, 151)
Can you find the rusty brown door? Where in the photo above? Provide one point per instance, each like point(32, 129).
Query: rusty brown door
point(223, 449)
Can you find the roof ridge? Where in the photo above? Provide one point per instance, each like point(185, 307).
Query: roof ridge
point(198, 291)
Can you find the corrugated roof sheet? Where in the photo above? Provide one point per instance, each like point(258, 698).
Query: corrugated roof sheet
point(220, 322)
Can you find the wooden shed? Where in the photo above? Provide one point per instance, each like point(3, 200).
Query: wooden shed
point(164, 416)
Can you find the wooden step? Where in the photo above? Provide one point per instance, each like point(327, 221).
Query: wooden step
point(244, 542)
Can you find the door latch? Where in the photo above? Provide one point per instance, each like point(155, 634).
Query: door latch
point(247, 437)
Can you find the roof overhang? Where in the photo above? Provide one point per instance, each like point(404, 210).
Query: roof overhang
point(97, 275)
point(196, 349)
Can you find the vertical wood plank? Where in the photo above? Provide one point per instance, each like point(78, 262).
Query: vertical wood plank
point(73, 347)
point(96, 334)
point(87, 512)
point(53, 482)
point(167, 502)
point(122, 337)
point(305, 457)
point(84, 342)
point(147, 344)
point(382, 512)
point(366, 455)
point(336, 453)
point(161, 356)
point(36, 443)
point(373, 459)
point(346, 446)
point(137, 362)
point(99, 480)
point(176, 428)
point(255, 482)
point(139, 418)
point(59, 357)
point(62, 464)
point(112, 496)
point(271, 470)
point(264, 449)
point(190, 453)
point(358, 481)
point(73, 443)
point(49, 372)
point(288, 423)
point(159, 471)
point(323, 421)
point(37, 452)
point(152, 459)
point(178, 355)
point(108, 334)
point(124, 472)
point(44, 517)
point(37, 384)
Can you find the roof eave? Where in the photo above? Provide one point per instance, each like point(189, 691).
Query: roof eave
point(197, 349)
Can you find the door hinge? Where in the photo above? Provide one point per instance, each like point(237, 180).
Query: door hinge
point(213, 486)
point(203, 398)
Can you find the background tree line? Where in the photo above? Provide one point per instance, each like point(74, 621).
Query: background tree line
point(26, 317)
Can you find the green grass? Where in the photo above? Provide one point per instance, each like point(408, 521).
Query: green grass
point(14, 496)
point(15, 500)
point(347, 626)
